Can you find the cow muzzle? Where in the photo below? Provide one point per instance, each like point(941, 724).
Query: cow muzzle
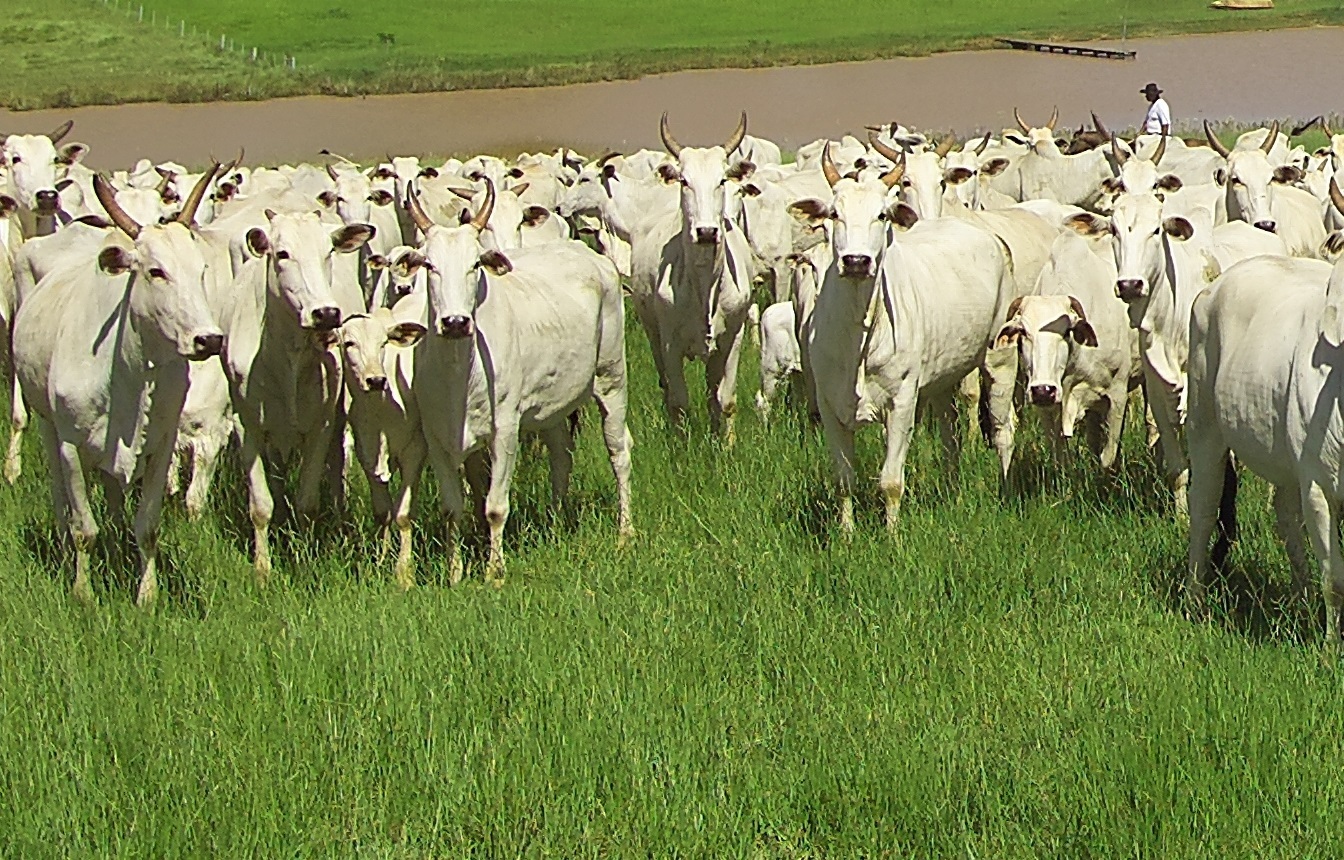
point(1131, 289)
point(856, 266)
point(1267, 226)
point(326, 318)
point(707, 235)
point(456, 327)
point(47, 201)
point(1044, 395)
point(375, 383)
point(206, 346)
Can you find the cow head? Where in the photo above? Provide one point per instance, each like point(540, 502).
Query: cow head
point(168, 268)
point(364, 341)
point(299, 251)
point(457, 263)
point(860, 214)
point(924, 181)
point(1250, 179)
point(703, 175)
point(1140, 235)
point(586, 199)
point(1040, 140)
point(36, 166)
point(353, 197)
point(1046, 329)
point(508, 214)
point(400, 272)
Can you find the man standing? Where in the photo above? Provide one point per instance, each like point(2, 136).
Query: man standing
point(1158, 119)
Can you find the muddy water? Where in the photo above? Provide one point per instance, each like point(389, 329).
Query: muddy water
point(1245, 76)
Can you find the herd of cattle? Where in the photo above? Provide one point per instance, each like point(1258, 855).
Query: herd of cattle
point(407, 313)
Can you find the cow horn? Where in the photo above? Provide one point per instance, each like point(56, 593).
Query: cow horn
point(61, 131)
point(980, 150)
point(669, 142)
point(1161, 150)
point(188, 214)
point(828, 167)
point(482, 217)
point(1026, 129)
point(945, 146)
point(1096, 124)
point(165, 179)
point(1119, 154)
point(735, 139)
point(1271, 138)
point(892, 155)
point(1054, 118)
point(1309, 123)
point(893, 176)
point(233, 165)
point(331, 171)
point(1078, 308)
point(1215, 142)
point(602, 162)
point(418, 212)
point(1325, 127)
point(102, 189)
point(1336, 197)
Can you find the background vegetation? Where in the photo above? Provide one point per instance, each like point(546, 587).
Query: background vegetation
point(87, 51)
point(1003, 678)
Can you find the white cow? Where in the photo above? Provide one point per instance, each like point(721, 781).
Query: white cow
point(1265, 385)
point(900, 319)
point(1046, 173)
point(101, 353)
point(1162, 264)
point(1259, 194)
point(36, 170)
point(1078, 352)
point(616, 205)
point(518, 344)
point(781, 358)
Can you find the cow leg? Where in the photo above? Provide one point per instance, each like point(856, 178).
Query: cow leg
point(450, 508)
point(721, 379)
point(1288, 523)
point(83, 527)
point(60, 497)
point(260, 506)
point(648, 320)
point(1323, 530)
point(1115, 402)
point(675, 397)
point(412, 461)
point(560, 445)
point(945, 410)
point(18, 422)
point(477, 472)
point(147, 518)
point(1174, 464)
point(1001, 369)
point(315, 464)
point(503, 455)
point(900, 427)
point(1208, 466)
point(610, 392)
point(204, 458)
point(380, 499)
point(840, 443)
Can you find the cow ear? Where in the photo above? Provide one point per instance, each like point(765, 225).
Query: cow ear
point(1112, 185)
point(515, 173)
point(1220, 176)
point(1333, 245)
point(64, 184)
point(429, 173)
point(1170, 182)
point(1287, 174)
point(1084, 333)
point(608, 171)
point(327, 198)
point(115, 261)
point(465, 216)
point(376, 262)
point(72, 153)
point(902, 215)
point(8, 205)
point(496, 262)
point(811, 210)
point(750, 190)
point(380, 198)
point(994, 167)
point(741, 170)
point(957, 175)
point(352, 237)
point(258, 243)
point(669, 173)
point(1012, 138)
point(405, 333)
point(1178, 228)
point(1087, 224)
point(1009, 334)
point(534, 216)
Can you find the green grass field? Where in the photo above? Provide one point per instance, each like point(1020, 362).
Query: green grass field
point(84, 51)
point(1001, 679)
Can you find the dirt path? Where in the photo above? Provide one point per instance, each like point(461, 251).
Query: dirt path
point(1246, 76)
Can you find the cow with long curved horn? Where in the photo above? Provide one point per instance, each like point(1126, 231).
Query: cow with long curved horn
point(1214, 142)
point(828, 166)
point(188, 214)
point(1271, 138)
point(107, 196)
point(669, 142)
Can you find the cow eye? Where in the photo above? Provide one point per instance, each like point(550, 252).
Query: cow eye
point(282, 255)
point(14, 159)
point(349, 344)
point(158, 274)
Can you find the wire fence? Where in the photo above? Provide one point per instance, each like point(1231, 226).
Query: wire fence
point(222, 42)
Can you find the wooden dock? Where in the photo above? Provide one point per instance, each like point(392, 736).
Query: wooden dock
point(1072, 50)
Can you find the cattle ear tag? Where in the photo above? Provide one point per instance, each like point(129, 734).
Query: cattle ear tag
point(115, 261)
point(497, 263)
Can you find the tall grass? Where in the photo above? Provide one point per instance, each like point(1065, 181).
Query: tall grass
point(78, 51)
point(1003, 677)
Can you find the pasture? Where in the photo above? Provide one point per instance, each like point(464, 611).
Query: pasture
point(1001, 678)
point(353, 48)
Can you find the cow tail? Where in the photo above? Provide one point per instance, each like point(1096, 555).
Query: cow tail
point(1226, 531)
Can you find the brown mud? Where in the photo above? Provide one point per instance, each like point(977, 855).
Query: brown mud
point(1231, 76)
